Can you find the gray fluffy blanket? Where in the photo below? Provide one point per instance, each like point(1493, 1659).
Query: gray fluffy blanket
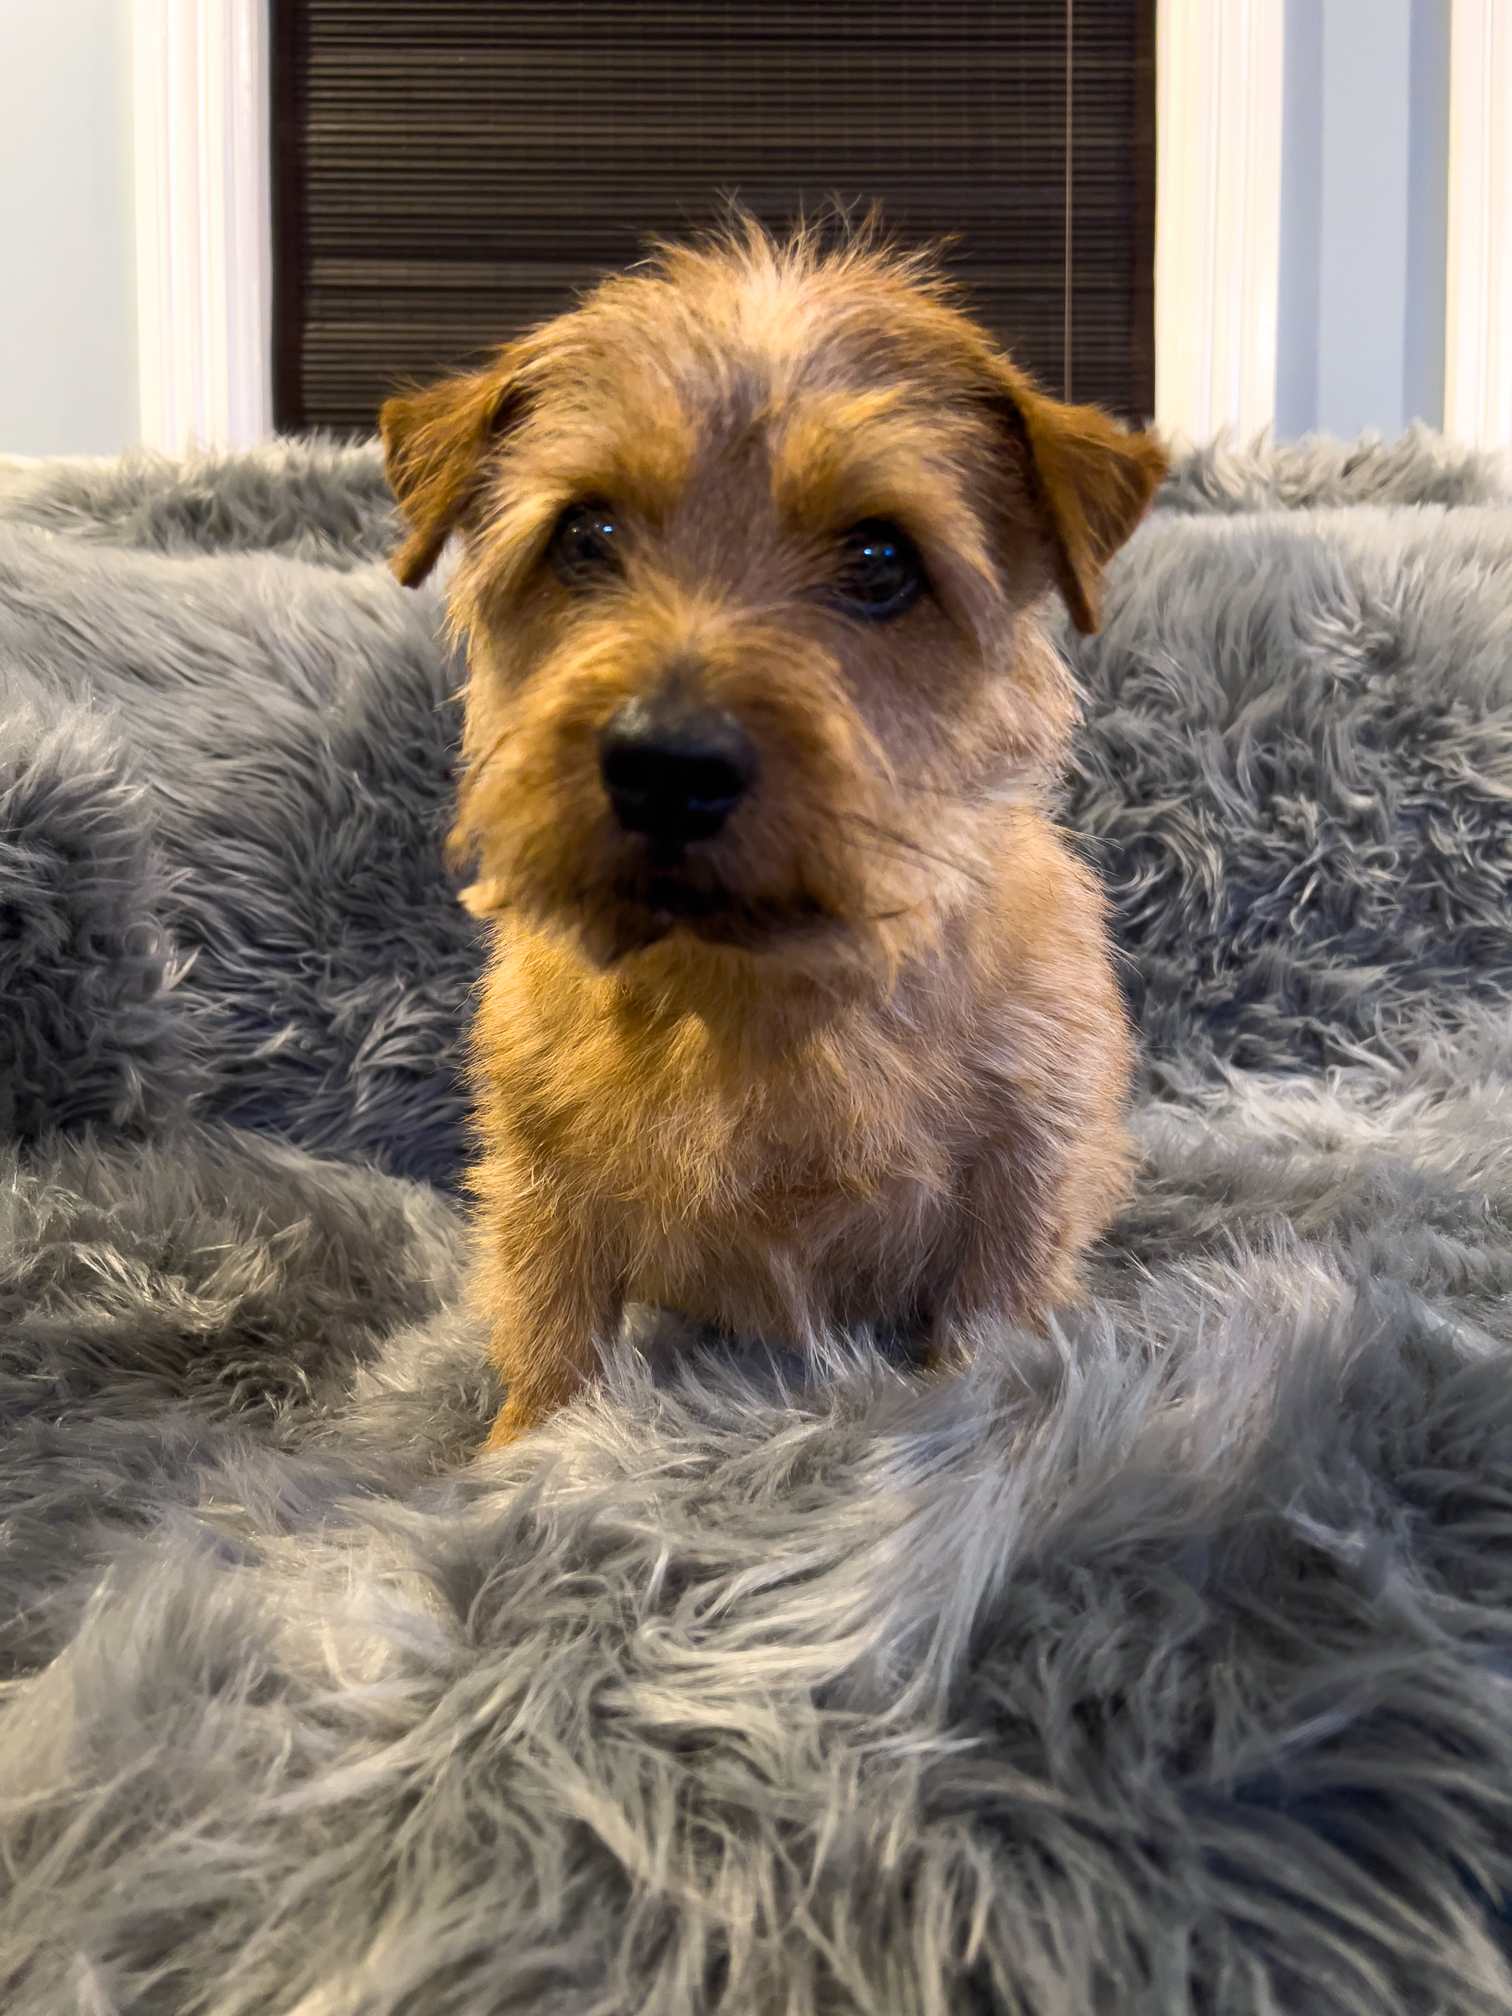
point(1161, 1664)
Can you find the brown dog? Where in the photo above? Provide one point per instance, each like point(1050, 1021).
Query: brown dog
point(799, 1012)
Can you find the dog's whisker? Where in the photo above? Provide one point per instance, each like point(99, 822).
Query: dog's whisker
point(904, 844)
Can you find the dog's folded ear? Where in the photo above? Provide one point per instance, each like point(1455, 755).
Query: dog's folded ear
point(1092, 481)
point(434, 444)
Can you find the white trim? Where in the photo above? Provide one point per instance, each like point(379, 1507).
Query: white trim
point(1478, 275)
point(1218, 79)
point(204, 229)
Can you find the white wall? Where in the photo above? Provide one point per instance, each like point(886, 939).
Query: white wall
point(1364, 193)
point(68, 363)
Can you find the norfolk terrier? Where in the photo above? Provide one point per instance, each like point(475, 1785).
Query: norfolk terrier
point(799, 1014)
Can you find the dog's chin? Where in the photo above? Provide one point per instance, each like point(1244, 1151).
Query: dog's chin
point(651, 905)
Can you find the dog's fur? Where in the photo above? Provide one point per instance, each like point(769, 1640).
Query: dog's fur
point(860, 1057)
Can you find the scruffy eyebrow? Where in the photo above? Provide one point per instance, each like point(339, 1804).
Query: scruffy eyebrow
point(633, 445)
point(838, 457)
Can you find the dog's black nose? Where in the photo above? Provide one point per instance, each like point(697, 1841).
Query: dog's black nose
point(675, 773)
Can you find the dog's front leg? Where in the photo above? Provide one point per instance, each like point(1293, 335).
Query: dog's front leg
point(550, 1288)
point(1010, 1255)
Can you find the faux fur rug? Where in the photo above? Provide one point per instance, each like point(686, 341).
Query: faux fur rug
point(1162, 1664)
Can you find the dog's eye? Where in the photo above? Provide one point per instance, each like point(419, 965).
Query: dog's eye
point(881, 573)
point(584, 545)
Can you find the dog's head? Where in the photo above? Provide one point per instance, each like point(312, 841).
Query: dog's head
point(752, 546)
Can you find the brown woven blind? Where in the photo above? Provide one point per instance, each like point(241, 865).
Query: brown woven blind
point(449, 171)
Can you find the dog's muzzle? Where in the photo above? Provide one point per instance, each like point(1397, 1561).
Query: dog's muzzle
point(675, 773)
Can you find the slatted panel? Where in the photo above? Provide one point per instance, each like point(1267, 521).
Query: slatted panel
point(450, 171)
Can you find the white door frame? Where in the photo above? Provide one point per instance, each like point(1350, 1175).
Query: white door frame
point(203, 222)
point(1478, 275)
point(1218, 79)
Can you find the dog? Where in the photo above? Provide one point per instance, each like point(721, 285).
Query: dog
point(799, 1014)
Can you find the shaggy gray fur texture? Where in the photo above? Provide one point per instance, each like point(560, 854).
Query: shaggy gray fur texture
point(1160, 1665)
point(1320, 473)
point(313, 500)
point(255, 756)
point(1296, 771)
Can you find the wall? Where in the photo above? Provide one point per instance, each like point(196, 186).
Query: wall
point(68, 364)
point(1364, 193)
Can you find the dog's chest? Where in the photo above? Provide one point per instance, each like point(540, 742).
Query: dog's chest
point(808, 1192)
point(668, 1116)
point(788, 1132)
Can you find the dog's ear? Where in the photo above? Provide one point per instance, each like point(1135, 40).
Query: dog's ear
point(1091, 481)
point(434, 444)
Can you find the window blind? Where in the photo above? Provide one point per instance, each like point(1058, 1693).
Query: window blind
point(447, 172)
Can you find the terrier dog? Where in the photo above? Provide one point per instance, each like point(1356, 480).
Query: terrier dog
point(799, 1013)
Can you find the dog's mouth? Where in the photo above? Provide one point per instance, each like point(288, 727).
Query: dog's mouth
point(679, 898)
point(662, 896)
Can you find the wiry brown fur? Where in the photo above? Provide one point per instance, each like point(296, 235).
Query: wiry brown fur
point(881, 1078)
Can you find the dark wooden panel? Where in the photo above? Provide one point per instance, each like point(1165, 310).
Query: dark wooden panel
point(449, 172)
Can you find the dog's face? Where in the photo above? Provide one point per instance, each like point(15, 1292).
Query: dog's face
point(752, 546)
